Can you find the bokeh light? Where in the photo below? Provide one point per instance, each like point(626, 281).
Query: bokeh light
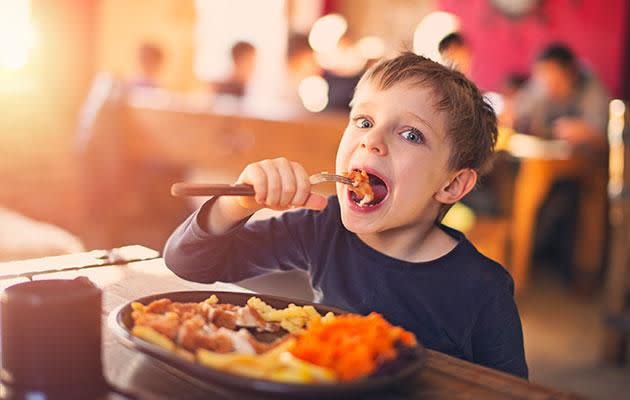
point(313, 92)
point(17, 36)
point(433, 27)
point(371, 47)
point(326, 32)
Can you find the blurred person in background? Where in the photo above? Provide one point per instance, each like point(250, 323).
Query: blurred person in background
point(243, 67)
point(563, 100)
point(510, 89)
point(150, 58)
point(455, 50)
point(300, 64)
point(344, 75)
point(301, 61)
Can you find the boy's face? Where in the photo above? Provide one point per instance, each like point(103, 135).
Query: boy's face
point(396, 135)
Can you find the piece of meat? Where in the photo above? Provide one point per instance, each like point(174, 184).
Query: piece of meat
point(166, 324)
point(221, 341)
point(249, 317)
point(159, 306)
point(195, 334)
point(188, 332)
point(241, 341)
point(225, 319)
point(187, 310)
point(361, 185)
point(209, 326)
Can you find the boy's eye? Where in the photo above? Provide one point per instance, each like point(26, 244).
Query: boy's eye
point(412, 135)
point(362, 123)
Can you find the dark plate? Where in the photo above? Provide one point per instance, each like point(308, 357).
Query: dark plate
point(120, 322)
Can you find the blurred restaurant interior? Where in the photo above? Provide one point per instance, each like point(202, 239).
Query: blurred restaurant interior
point(106, 103)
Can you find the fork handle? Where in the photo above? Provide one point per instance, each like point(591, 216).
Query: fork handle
point(181, 189)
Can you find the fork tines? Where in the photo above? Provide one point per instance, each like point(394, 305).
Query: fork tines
point(327, 177)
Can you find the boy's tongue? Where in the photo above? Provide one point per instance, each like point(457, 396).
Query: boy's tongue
point(380, 191)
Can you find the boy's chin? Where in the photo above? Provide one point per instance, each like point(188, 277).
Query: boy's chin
point(358, 225)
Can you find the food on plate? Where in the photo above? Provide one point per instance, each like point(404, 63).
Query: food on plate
point(292, 318)
point(306, 347)
point(276, 364)
point(351, 345)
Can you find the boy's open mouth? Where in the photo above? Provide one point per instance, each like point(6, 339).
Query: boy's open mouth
point(379, 190)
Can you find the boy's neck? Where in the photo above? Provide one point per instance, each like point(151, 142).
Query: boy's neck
point(419, 243)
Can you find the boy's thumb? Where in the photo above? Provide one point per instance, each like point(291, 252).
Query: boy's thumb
point(316, 202)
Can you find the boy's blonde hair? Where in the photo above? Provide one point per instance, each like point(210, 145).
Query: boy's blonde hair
point(470, 120)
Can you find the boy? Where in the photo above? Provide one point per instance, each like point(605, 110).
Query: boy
point(422, 132)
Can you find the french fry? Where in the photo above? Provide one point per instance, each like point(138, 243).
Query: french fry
point(185, 354)
point(243, 364)
point(312, 372)
point(292, 318)
point(275, 352)
point(152, 336)
point(222, 360)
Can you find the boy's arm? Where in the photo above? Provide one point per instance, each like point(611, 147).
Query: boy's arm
point(243, 250)
point(215, 244)
point(497, 338)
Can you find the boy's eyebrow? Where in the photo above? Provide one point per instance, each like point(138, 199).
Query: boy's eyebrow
point(361, 104)
point(422, 120)
point(367, 104)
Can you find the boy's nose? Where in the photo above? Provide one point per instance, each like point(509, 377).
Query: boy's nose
point(374, 143)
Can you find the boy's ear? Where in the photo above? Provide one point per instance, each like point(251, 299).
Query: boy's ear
point(459, 186)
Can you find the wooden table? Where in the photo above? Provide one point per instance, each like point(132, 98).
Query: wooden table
point(443, 377)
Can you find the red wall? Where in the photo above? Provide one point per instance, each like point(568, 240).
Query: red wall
point(595, 30)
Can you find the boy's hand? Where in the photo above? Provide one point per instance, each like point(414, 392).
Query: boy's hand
point(279, 184)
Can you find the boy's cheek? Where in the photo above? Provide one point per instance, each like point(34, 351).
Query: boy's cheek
point(342, 157)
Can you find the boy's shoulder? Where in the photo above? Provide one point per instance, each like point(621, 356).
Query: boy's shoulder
point(475, 269)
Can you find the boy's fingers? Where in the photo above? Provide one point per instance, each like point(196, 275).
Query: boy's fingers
point(255, 176)
point(316, 202)
point(274, 183)
point(288, 180)
point(303, 185)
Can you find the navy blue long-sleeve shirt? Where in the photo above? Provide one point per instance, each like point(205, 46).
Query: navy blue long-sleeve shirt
point(460, 304)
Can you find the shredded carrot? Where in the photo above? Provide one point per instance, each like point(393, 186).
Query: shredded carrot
point(351, 345)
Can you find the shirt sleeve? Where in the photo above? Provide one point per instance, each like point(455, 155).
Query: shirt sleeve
point(247, 250)
point(497, 338)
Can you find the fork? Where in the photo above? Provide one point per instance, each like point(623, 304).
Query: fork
point(180, 189)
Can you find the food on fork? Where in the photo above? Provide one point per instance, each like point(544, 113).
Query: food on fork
point(369, 189)
point(361, 185)
point(305, 347)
